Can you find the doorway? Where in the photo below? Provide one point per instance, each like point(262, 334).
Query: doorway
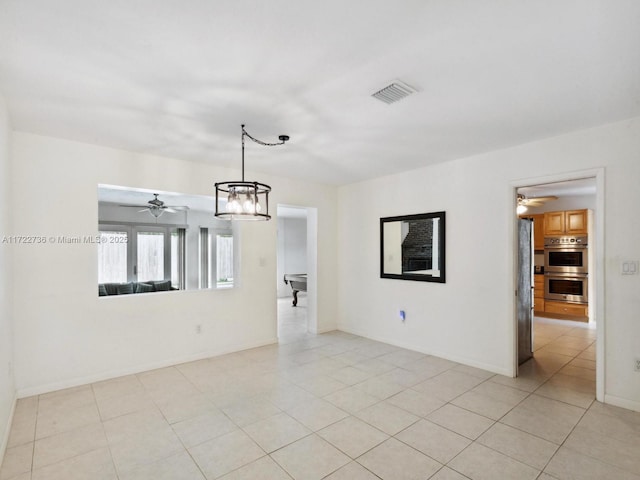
point(296, 272)
point(566, 339)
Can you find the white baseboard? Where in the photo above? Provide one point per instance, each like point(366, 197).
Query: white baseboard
point(75, 382)
point(7, 431)
point(454, 358)
point(622, 402)
point(324, 330)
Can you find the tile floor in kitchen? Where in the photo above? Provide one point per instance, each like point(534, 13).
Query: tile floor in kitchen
point(334, 406)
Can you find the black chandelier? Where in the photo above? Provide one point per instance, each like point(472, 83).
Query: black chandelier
point(246, 200)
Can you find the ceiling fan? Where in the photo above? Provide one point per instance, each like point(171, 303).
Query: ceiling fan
point(524, 202)
point(156, 207)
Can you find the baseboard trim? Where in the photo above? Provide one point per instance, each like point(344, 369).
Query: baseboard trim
point(325, 330)
point(622, 402)
point(78, 381)
point(7, 431)
point(454, 358)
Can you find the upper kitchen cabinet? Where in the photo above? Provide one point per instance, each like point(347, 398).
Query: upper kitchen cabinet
point(575, 222)
point(569, 222)
point(554, 223)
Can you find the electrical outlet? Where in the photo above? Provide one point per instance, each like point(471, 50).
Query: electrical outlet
point(199, 328)
point(636, 365)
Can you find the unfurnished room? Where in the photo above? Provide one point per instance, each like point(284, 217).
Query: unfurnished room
point(283, 240)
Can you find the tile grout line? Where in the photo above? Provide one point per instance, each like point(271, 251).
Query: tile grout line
point(581, 416)
point(113, 462)
point(563, 441)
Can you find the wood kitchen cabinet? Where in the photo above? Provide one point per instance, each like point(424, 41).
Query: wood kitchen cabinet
point(538, 305)
point(554, 223)
point(569, 222)
point(565, 308)
point(575, 222)
point(538, 293)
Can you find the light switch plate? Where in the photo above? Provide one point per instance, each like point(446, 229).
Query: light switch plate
point(629, 267)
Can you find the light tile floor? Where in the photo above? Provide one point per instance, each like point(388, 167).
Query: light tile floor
point(334, 406)
point(292, 321)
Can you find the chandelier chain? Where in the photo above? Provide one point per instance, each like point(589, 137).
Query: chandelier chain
point(260, 142)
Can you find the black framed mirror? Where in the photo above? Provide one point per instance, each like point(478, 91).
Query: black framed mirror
point(412, 247)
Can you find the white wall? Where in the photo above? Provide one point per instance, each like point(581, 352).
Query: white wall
point(292, 250)
point(470, 318)
point(66, 335)
point(7, 385)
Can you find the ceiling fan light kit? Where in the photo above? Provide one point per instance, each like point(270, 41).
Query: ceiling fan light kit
point(155, 211)
point(524, 202)
point(245, 200)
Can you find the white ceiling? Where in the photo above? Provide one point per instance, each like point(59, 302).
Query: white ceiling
point(177, 78)
point(584, 186)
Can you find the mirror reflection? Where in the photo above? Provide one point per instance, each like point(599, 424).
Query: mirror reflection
point(153, 241)
point(412, 247)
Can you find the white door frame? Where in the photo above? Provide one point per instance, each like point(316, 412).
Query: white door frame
point(599, 310)
point(312, 265)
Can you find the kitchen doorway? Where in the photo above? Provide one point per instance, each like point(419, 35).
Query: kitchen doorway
point(565, 328)
point(296, 272)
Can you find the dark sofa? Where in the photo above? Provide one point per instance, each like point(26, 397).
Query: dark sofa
point(109, 289)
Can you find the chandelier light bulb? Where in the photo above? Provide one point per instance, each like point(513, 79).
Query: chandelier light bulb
point(233, 202)
point(248, 204)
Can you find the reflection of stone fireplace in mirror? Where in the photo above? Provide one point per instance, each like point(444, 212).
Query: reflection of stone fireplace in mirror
point(154, 241)
point(412, 247)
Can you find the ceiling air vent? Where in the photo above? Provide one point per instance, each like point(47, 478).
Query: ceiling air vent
point(394, 92)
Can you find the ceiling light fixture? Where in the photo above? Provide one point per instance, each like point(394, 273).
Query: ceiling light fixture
point(155, 211)
point(521, 208)
point(246, 200)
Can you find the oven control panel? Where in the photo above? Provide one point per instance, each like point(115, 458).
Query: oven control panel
point(564, 241)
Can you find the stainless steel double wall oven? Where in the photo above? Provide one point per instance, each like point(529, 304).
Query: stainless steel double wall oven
point(566, 269)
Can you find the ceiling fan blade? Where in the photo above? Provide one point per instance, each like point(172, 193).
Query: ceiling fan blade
point(144, 209)
point(536, 201)
point(543, 199)
point(178, 207)
point(170, 210)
